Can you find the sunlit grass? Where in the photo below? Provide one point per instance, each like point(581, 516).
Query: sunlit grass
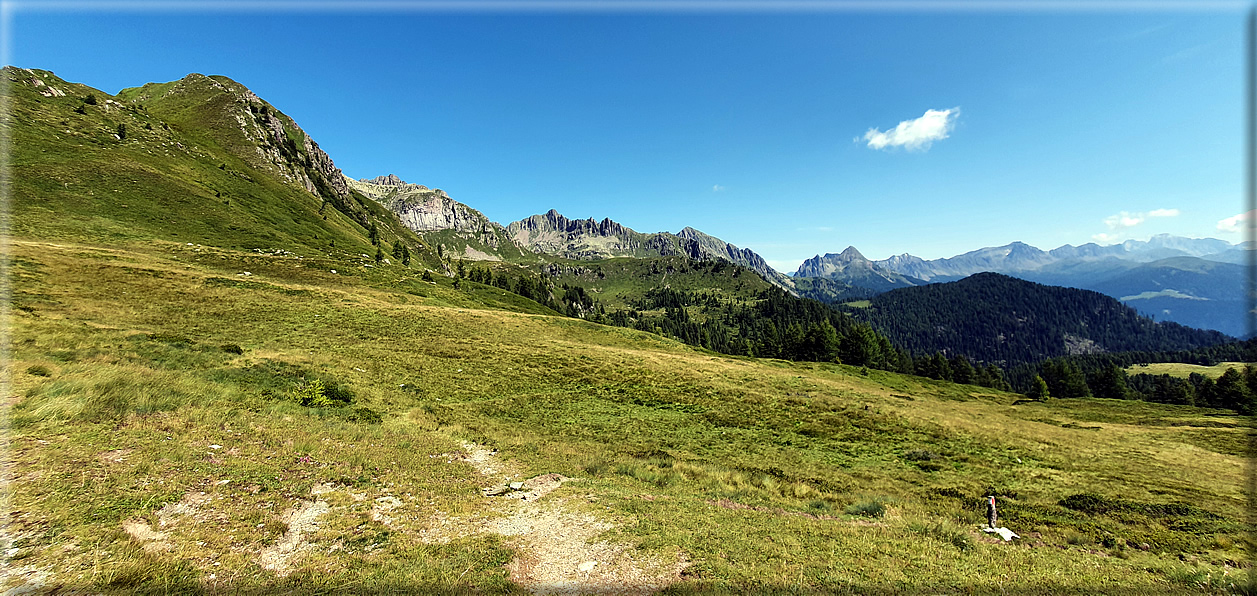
point(767, 475)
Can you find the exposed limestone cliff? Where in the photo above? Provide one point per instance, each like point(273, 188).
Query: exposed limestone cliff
point(586, 239)
point(429, 210)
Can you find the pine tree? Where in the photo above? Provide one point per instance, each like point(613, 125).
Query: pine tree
point(405, 255)
point(1038, 389)
point(1110, 383)
point(375, 234)
point(379, 254)
point(962, 372)
point(397, 249)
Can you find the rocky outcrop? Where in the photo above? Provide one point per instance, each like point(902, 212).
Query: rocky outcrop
point(586, 239)
point(423, 209)
point(706, 247)
point(429, 210)
point(553, 234)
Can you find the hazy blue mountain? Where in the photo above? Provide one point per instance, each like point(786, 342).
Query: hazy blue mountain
point(852, 269)
point(1193, 281)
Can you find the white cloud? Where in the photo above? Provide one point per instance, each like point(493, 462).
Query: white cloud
point(1237, 223)
point(1127, 219)
point(914, 134)
point(1123, 220)
point(717, 188)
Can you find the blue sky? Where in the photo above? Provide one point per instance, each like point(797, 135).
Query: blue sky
point(776, 131)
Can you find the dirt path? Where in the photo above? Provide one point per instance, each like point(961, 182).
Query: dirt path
point(559, 553)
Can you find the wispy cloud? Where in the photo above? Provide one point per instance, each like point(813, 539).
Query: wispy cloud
point(1237, 223)
point(717, 188)
point(916, 134)
point(1125, 220)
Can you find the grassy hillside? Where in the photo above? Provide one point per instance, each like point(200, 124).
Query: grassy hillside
point(618, 283)
point(170, 162)
point(159, 443)
point(1178, 369)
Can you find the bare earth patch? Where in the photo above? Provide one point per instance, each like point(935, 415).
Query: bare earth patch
point(559, 555)
point(558, 550)
point(154, 540)
point(301, 521)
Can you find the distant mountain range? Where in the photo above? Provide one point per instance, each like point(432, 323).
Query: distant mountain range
point(1195, 282)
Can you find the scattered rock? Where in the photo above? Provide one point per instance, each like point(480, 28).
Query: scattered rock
point(384, 505)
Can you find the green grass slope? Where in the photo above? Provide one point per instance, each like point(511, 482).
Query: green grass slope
point(617, 283)
point(171, 161)
point(161, 389)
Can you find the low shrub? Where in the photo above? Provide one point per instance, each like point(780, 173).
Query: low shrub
point(39, 370)
point(867, 508)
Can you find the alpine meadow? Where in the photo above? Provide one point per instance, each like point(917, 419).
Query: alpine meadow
point(235, 370)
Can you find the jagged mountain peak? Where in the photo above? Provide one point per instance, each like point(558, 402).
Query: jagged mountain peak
point(851, 267)
point(388, 180)
point(851, 254)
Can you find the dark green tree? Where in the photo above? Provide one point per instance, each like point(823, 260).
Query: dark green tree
point(820, 343)
point(1065, 379)
point(1110, 383)
point(397, 249)
point(122, 131)
point(860, 346)
point(962, 371)
point(405, 255)
point(379, 254)
point(427, 275)
point(1038, 389)
point(90, 99)
point(374, 232)
point(1231, 392)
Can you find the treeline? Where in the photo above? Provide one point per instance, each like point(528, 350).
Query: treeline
point(772, 324)
point(1104, 375)
point(569, 300)
point(777, 325)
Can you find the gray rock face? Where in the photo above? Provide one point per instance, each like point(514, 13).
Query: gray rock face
point(553, 234)
point(423, 209)
point(707, 247)
point(586, 239)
